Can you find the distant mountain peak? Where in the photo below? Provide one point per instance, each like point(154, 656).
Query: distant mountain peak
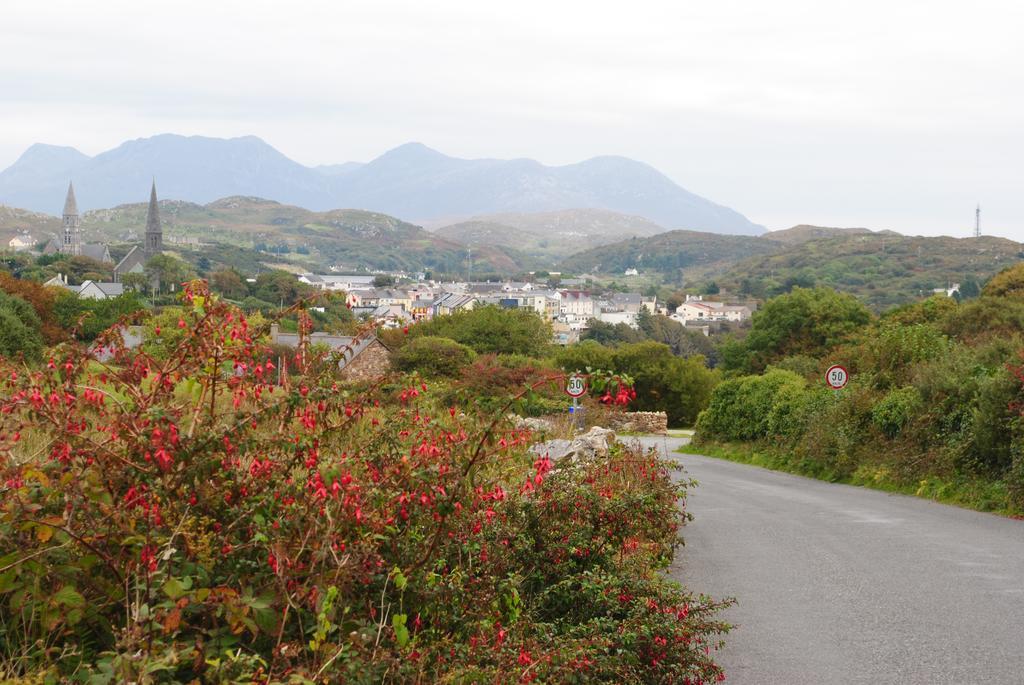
point(45, 157)
point(412, 181)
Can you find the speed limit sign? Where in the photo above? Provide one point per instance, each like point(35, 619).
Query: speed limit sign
point(837, 377)
point(576, 386)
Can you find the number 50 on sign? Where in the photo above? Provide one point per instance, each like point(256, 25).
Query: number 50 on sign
point(576, 386)
point(837, 377)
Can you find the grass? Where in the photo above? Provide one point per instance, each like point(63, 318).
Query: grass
point(969, 493)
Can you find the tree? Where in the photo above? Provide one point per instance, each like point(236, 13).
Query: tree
point(611, 334)
point(136, 282)
point(969, 289)
point(280, 287)
point(42, 299)
point(88, 317)
point(433, 357)
point(167, 272)
point(492, 329)
point(20, 328)
point(664, 382)
point(805, 321)
point(229, 283)
point(683, 342)
point(383, 281)
point(1007, 283)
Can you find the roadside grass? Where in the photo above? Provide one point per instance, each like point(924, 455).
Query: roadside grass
point(969, 493)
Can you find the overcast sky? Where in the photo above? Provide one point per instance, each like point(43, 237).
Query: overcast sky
point(896, 114)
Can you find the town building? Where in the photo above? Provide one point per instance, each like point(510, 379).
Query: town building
point(70, 240)
point(697, 309)
point(362, 358)
point(135, 261)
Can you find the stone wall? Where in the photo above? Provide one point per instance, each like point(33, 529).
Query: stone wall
point(372, 362)
point(640, 422)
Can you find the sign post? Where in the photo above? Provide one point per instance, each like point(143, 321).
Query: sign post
point(576, 387)
point(837, 377)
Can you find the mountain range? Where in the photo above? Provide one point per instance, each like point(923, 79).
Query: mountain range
point(412, 181)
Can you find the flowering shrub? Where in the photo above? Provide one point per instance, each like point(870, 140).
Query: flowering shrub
point(172, 514)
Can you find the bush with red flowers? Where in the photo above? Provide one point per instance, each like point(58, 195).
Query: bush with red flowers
point(182, 517)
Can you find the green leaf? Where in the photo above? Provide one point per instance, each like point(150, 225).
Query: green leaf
point(8, 580)
point(400, 580)
point(173, 588)
point(69, 597)
point(401, 632)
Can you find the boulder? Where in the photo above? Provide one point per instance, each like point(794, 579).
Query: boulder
point(591, 445)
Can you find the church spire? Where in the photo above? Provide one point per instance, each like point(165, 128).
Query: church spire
point(154, 233)
point(70, 205)
point(71, 242)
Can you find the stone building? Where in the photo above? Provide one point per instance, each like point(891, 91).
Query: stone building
point(364, 357)
point(70, 239)
point(135, 261)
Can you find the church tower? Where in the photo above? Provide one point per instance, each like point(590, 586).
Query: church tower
point(154, 233)
point(72, 240)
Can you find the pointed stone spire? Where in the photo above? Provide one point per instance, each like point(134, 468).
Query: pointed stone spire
point(154, 233)
point(70, 205)
point(71, 241)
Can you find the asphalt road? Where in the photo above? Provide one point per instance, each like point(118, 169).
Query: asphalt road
point(838, 584)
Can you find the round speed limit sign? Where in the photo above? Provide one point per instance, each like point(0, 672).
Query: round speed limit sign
point(576, 386)
point(837, 377)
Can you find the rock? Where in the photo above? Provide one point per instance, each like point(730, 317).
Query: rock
point(591, 445)
point(533, 424)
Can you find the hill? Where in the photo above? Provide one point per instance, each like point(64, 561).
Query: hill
point(548, 236)
point(693, 253)
point(239, 229)
point(411, 181)
point(882, 269)
point(804, 233)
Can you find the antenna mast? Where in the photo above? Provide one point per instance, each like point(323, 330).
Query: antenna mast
point(977, 221)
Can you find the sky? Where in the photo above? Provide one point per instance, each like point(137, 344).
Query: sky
point(895, 114)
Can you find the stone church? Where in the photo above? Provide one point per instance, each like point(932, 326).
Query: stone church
point(70, 241)
point(135, 261)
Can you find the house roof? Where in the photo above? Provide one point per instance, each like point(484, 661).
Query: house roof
point(108, 289)
point(351, 347)
point(453, 300)
point(96, 251)
point(134, 256)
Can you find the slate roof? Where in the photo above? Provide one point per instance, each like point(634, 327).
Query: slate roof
point(96, 251)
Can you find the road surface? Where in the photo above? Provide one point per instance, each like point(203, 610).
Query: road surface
point(845, 585)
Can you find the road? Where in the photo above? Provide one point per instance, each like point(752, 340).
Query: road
point(845, 585)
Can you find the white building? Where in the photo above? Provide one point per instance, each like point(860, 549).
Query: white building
point(696, 309)
point(576, 304)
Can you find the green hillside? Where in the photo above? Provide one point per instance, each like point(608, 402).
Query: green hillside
point(805, 233)
point(246, 231)
point(690, 253)
point(882, 269)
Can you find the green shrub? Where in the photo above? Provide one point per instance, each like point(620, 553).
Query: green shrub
point(20, 328)
point(433, 357)
point(742, 408)
point(994, 426)
point(895, 410)
point(894, 348)
point(491, 330)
